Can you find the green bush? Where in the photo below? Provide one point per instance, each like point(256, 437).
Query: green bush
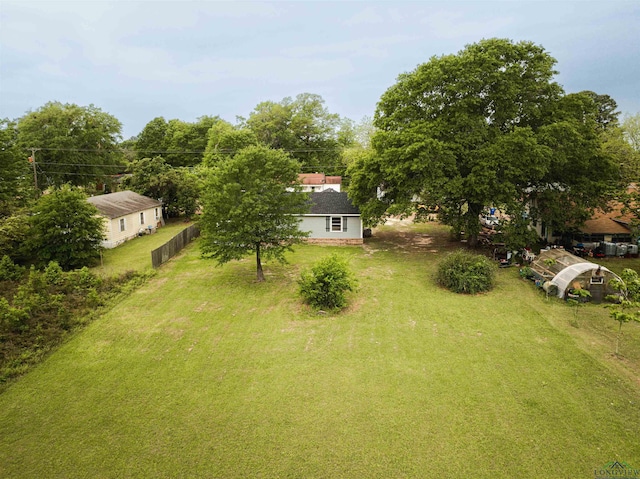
point(10, 271)
point(465, 272)
point(11, 319)
point(325, 286)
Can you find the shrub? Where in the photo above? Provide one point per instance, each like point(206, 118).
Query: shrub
point(325, 286)
point(465, 272)
point(10, 271)
point(53, 274)
point(526, 272)
point(11, 319)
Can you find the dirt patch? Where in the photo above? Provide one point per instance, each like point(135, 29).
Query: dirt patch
point(403, 234)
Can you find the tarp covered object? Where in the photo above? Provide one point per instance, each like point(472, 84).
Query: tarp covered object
point(565, 277)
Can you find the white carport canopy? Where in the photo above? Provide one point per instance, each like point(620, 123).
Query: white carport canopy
point(564, 278)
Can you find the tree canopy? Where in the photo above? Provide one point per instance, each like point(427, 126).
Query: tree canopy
point(224, 140)
point(15, 178)
point(177, 188)
point(74, 144)
point(630, 134)
point(180, 143)
point(487, 126)
point(630, 144)
point(65, 228)
point(304, 127)
point(250, 203)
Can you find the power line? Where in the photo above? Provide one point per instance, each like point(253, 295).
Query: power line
point(100, 150)
point(64, 173)
point(49, 173)
point(80, 164)
point(186, 152)
point(50, 163)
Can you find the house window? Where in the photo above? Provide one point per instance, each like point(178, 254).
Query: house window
point(157, 217)
point(142, 218)
point(122, 224)
point(336, 223)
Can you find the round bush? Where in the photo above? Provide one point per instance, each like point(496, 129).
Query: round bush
point(325, 286)
point(465, 272)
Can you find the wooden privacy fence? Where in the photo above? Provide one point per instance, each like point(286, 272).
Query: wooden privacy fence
point(174, 245)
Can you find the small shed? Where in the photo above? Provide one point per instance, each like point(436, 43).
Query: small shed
point(558, 270)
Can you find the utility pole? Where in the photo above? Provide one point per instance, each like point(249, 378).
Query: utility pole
point(32, 160)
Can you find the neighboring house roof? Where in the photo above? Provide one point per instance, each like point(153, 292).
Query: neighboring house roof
point(613, 222)
point(332, 202)
point(122, 203)
point(603, 223)
point(318, 179)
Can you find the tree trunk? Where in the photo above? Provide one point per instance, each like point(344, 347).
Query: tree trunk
point(259, 264)
point(473, 223)
point(472, 240)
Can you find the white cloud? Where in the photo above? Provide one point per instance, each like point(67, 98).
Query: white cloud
point(448, 24)
point(368, 16)
point(53, 69)
point(211, 70)
point(373, 47)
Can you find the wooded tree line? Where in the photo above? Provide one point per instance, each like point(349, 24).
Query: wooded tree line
point(83, 145)
point(486, 127)
point(65, 144)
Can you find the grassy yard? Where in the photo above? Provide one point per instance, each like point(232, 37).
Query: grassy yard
point(203, 372)
point(136, 254)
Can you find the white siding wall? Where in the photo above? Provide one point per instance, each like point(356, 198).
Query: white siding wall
point(114, 236)
point(319, 188)
point(317, 226)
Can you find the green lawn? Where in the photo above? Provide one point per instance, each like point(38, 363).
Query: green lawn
point(203, 372)
point(136, 254)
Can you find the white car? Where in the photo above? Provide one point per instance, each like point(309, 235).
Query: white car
point(489, 221)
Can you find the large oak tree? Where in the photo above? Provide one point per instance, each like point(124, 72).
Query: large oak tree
point(487, 126)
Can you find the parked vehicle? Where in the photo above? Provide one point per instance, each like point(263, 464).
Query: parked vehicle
point(489, 221)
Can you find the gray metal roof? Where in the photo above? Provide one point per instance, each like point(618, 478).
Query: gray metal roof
point(332, 202)
point(122, 203)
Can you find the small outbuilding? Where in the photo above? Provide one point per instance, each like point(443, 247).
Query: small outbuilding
point(332, 219)
point(560, 272)
point(126, 215)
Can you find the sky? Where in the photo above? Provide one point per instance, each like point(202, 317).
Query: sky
point(139, 60)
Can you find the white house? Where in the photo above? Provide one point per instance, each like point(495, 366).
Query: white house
point(332, 219)
point(126, 214)
point(319, 182)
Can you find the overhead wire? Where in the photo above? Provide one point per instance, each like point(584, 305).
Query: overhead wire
point(48, 171)
point(194, 152)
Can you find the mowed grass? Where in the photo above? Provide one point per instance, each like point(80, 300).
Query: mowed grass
point(135, 254)
point(203, 372)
